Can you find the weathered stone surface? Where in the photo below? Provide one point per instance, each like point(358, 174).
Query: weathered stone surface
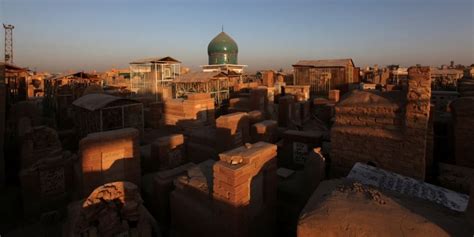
point(348, 208)
point(113, 209)
point(47, 184)
point(387, 129)
point(407, 186)
point(110, 156)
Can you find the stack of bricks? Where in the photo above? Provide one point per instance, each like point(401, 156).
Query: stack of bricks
point(387, 129)
point(259, 99)
point(463, 119)
point(297, 146)
point(265, 131)
point(245, 184)
point(286, 110)
point(108, 157)
point(167, 152)
point(48, 184)
point(232, 131)
point(197, 110)
point(234, 172)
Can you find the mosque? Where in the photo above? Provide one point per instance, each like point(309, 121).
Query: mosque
point(161, 77)
point(223, 55)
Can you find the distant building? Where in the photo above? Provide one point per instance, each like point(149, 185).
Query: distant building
point(223, 55)
point(153, 76)
point(325, 75)
point(15, 81)
point(445, 79)
point(398, 75)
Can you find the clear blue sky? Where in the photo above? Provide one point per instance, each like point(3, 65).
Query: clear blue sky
point(58, 35)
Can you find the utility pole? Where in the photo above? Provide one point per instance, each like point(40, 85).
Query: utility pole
point(8, 43)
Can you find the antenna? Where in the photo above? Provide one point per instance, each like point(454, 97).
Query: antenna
point(8, 43)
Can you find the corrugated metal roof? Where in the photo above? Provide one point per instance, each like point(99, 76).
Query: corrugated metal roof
point(325, 63)
point(94, 102)
point(199, 77)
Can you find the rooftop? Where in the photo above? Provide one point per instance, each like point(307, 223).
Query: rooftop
point(325, 63)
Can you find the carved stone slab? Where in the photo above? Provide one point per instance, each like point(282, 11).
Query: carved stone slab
point(408, 186)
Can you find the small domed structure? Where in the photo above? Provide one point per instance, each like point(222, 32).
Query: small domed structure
point(222, 50)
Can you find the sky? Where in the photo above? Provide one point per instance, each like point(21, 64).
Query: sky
point(62, 35)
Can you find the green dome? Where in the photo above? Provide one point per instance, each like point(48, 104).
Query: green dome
point(222, 50)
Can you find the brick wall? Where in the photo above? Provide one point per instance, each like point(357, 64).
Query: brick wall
point(235, 196)
point(236, 168)
point(47, 185)
point(387, 129)
point(197, 110)
point(232, 131)
point(110, 156)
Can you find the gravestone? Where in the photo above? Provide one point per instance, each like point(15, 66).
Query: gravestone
point(386, 180)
